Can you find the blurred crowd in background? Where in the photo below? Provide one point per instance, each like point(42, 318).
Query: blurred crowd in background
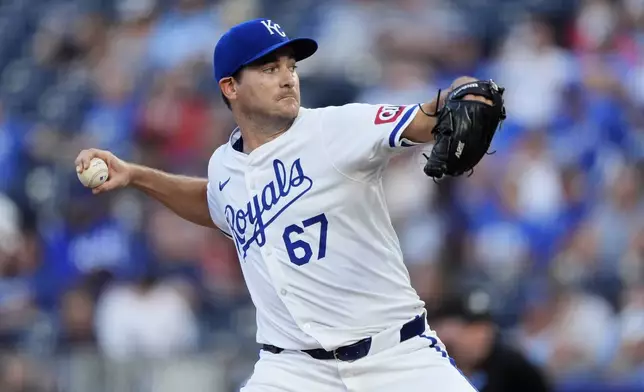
point(551, 225)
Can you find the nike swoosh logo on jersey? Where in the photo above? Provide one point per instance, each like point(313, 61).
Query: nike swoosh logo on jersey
point(288, 185)
point(222, 185)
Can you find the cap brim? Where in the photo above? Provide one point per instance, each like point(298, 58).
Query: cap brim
point(302, 49)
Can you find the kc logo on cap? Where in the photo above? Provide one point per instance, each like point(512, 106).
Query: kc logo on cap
point(273, 28)
point(249, 41)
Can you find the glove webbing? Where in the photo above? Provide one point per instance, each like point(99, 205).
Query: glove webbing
point(474, 88)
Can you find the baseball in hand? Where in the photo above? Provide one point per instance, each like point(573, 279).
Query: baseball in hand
point(95, 175)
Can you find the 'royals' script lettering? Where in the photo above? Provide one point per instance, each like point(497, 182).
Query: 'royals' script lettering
point(262, 210)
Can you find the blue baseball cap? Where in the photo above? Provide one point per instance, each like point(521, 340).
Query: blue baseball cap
point(252, 40)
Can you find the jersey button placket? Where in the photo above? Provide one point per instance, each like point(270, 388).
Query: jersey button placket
point(249, 184)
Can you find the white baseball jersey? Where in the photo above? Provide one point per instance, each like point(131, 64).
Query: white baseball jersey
point(308, 216)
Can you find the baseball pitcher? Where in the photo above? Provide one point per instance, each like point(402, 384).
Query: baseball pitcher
point(299, 192)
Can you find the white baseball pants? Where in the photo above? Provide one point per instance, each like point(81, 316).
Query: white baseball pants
point(420, 364)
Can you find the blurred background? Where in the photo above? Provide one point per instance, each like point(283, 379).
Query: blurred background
point(114, 293)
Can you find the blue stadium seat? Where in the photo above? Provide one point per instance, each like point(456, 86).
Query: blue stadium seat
point(15, 77)
point(23, 81)
point(5, 36)
point(16, 5)
point(63, 104)
point(54, 106)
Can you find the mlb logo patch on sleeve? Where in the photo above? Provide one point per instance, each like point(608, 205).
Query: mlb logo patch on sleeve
point(388, 114)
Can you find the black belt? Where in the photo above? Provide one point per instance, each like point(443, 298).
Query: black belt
point(361, 348)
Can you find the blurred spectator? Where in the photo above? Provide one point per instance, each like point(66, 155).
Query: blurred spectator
point(18, 261)
point(176, 124)
point(403, 82)
point(464, 323)
point(148, 319)
point(539, 189)
point(189, 31)
point(129, 38)
point(418, 30)
point(632, 263)
point(77, 322)
point(631, 355)
point(18, 374)
point(500, 243)
point(175, 240)
point(10, 138)
point(92, 237)
point(558, 324)
point(533, 69)
point(618, 215)
point(108, 123)
point(354, 59)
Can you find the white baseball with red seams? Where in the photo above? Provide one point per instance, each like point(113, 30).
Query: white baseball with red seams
point(96, 174)
point(320, 257)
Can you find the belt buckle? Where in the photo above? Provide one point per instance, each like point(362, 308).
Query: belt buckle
point(335, 355)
